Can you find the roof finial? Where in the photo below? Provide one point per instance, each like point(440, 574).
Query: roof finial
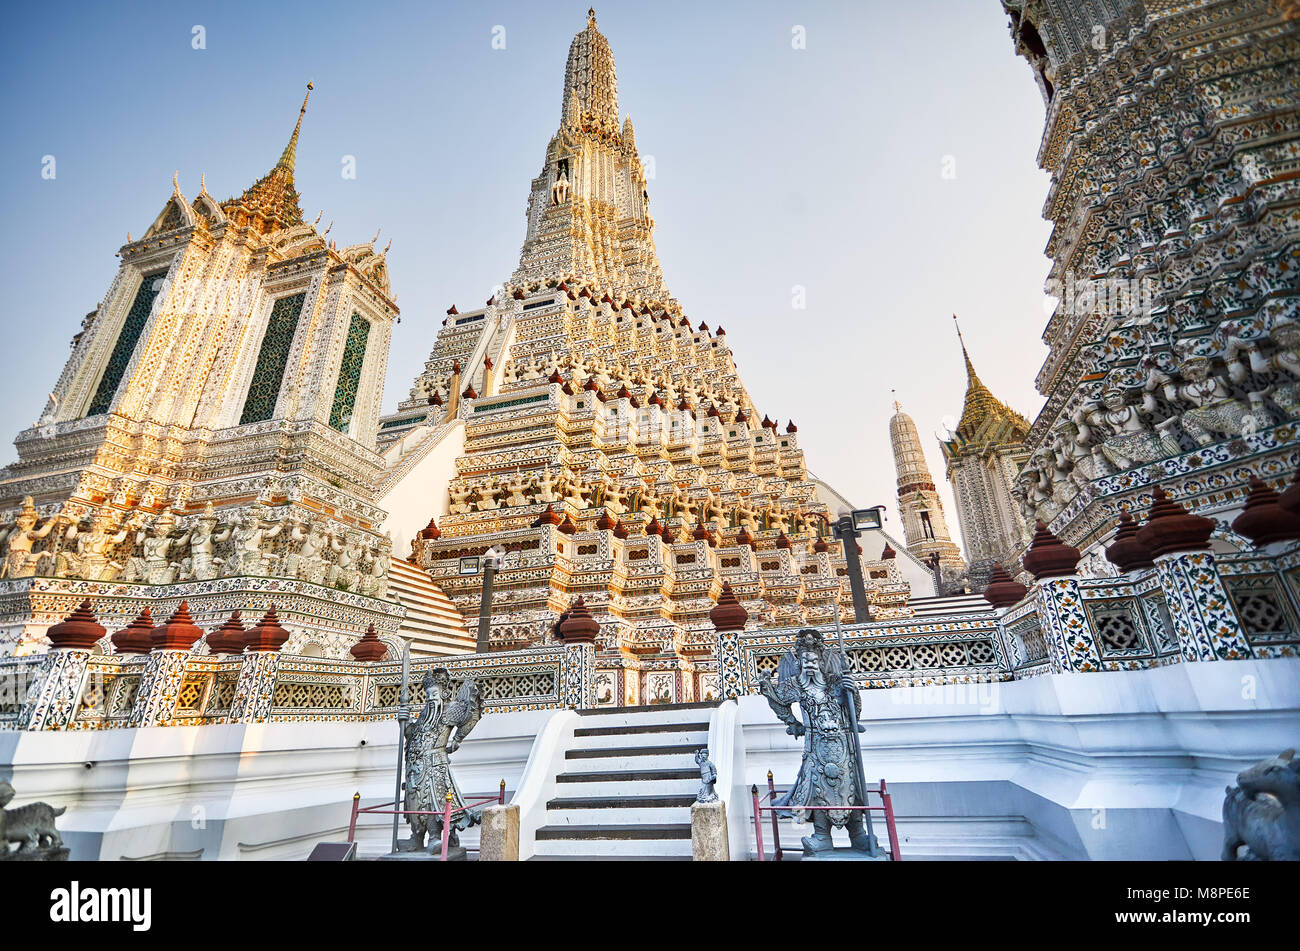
point(970, 369)
point(290, 153)
point(591, 18)
point(894, 393)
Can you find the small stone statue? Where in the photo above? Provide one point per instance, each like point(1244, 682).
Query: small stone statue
point(443, 724)
point(1262, 812)
point(708, 776)
point(31, 827)
point(813, 676)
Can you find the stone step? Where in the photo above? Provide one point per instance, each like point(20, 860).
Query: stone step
point(608, 848)
point(563, 857)
point(679, 787)
point(604, 752)
point(649, 708)
point(702, 726)
point(626, 775)
point(627, 849)
point(616, 816)
point(632, 759)
point(620, 810)
point(638, 831)
point(648, 801)
point(640, 716)
point(687, 739)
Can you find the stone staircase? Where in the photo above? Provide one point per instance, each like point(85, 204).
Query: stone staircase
point(432, 622)
point(627, 784)
point(950, 604)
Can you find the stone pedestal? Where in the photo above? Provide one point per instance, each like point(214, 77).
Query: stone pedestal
point(255, 688)
point(709, 832)
point(499, 835)
point(160, 686)
point(841, 855)
point(1206, 624)
point(579, 689)
point(52, 704)
point(455, 853)
point(1070, 640)
point(49, 853)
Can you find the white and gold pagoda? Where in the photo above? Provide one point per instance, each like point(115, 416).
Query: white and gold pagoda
point(921, 509)
point(212, 437)
point(606, 441)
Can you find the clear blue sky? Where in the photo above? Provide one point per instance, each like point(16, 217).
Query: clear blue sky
point(774, 167)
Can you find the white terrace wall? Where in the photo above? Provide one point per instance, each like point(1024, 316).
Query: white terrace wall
point(240, 791)
point(1109, 765)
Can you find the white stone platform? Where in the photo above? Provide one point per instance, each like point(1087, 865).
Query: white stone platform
point(1113, 765)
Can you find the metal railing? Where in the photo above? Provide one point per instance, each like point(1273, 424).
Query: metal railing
point(887, 807)
point(445, 813)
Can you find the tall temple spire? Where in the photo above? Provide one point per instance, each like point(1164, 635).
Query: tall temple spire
point(588, 211)
point(919, 507)
point(271, 202)
point(971, 377)
point(981, 406)
point(983, 454)
point(590, 70)
point(290, 154)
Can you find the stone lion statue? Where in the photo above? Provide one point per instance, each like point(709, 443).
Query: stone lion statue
point(1262, 812)
point(30, 826)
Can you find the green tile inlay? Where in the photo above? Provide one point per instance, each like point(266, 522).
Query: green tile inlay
point(354, 356)
point(127, 339)
point(259, 405)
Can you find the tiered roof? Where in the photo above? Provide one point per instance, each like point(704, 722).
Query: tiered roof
point(985, 420)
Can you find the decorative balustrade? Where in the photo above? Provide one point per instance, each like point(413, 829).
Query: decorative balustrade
point(16, 675)
point(965, 649)
point(277, 688)
point(1191, 606)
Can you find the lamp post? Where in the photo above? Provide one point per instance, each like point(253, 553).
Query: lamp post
point(846, 529)
point(491, 563)
point(403, 716)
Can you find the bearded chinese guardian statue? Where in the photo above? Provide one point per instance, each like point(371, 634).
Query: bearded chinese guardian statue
point(813, 676)
point(443, 724)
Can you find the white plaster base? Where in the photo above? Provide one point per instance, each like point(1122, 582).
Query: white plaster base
point(1116, 765)
point(264, 791)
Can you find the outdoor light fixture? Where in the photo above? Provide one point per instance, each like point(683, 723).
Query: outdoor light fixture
point(865, 519)
point(469, 566)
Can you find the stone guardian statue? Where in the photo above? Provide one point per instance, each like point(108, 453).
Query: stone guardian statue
point(442, 725)
point(813, 676)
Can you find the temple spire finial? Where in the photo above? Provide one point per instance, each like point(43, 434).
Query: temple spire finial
point(290, 154)
point(591, 18)
point(970, 367)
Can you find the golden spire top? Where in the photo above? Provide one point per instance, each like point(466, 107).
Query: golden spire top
point(970, 368)
point(982, 410)
point(290, 154)
point(272, 198)
point(590, 71)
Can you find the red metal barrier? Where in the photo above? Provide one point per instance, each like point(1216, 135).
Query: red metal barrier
point(887, 807)
point(776, 829)
point(445, 813)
